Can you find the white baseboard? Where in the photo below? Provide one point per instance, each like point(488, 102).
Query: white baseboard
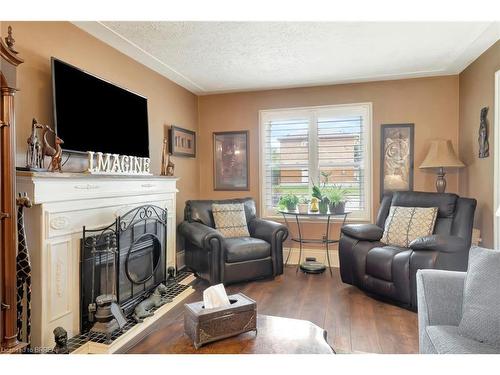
point(180, 259)
point(319, 254)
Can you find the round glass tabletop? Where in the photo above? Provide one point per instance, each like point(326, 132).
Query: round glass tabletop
point(312, 214)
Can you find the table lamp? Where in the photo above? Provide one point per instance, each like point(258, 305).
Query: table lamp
point(441, 155)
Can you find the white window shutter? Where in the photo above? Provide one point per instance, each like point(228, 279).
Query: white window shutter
point(305, 145)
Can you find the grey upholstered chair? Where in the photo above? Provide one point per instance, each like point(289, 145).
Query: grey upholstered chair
point(440, 297)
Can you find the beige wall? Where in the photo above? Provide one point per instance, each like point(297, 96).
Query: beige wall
point(477, 90)
point(168, 103)
point(430, 103)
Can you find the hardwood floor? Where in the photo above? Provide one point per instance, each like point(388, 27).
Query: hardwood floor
point(355, 322)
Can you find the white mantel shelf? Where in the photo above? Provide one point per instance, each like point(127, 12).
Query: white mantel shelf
point(90, 175)
point(54, 187)
point(62, 204)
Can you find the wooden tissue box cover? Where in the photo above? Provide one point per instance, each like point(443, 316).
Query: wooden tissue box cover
point(208, 325)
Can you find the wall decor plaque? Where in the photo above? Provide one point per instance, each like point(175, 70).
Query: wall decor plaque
point(182, 142)
point(396, 158)
point(484, 144)
point(231, 167)
point(99, 163)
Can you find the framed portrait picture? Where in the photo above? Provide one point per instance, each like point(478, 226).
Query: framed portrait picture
point(396, 164)
point(182, 142)
point(231, 160)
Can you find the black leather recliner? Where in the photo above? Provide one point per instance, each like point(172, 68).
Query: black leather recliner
point(390, 271)
point(229, 260)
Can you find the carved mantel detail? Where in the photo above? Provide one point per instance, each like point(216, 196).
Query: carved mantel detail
point(59, 222)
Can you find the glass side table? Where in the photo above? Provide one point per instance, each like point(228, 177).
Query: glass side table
point(326, 241)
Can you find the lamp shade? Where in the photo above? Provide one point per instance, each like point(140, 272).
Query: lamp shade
point(441, 155)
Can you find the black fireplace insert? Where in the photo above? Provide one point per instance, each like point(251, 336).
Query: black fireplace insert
point(126, 259)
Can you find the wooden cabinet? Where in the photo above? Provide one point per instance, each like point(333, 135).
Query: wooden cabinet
point(9, 61)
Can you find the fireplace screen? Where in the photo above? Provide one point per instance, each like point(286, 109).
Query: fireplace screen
point(126, 259)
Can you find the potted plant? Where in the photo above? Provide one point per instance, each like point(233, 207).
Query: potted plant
point(337, 197)
point(303, 205)
point(289, 201)
point(318, 193)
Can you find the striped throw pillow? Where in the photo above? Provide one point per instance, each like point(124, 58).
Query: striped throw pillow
point(404, 224)
point(230, 219)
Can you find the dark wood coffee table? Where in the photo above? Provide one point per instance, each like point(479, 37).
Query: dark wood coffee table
point(275, 335)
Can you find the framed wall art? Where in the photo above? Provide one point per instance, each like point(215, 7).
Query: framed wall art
point(396, 152)
point(182, 142)
point(231, 160)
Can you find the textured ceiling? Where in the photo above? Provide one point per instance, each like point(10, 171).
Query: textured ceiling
point(208, 57)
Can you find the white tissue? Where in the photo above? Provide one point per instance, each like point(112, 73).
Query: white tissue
point(215, 296)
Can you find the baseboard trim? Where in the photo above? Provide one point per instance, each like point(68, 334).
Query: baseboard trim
point(319, 254)
point(180, 260)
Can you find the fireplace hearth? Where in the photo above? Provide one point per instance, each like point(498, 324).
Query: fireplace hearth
point(176, 287)
point(126, 259)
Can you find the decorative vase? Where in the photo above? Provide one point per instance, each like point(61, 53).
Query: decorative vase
point(303, 208)
point(339, 208)
point(314, 205)
point(323, 207)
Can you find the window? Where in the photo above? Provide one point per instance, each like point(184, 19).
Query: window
point(327, 145)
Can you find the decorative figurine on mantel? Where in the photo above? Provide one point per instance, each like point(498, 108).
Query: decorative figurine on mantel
point(167, 166)
point(61, 339)
point(34, 154)
point(54, 153)
point(39, 147)
point(484, 146)
point(55, 162)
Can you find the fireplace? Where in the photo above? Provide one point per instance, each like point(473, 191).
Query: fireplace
point(126, 259)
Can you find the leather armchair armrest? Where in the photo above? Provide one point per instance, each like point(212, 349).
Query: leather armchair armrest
point(266, 230)
point(363, 232)
point(199, 234)
point(273, 233)
point(437, 242)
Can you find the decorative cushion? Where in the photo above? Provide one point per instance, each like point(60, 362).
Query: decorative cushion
point(481, 302)
point(230, 219)
point(404, 224)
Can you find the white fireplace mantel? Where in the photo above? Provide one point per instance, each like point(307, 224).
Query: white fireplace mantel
point(62, 204)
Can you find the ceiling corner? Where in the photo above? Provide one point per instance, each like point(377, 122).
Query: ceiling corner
point(489, 36)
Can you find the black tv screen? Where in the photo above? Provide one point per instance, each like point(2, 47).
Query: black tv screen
point(92, 114)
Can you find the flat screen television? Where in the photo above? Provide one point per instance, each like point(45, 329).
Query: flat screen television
point(92, 114)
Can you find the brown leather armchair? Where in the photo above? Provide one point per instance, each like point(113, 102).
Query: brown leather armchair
point(230, 260)
point(390, 271)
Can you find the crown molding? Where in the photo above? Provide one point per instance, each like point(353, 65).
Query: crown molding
point(458, 61)
point(132, 50)
point(489, 36)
